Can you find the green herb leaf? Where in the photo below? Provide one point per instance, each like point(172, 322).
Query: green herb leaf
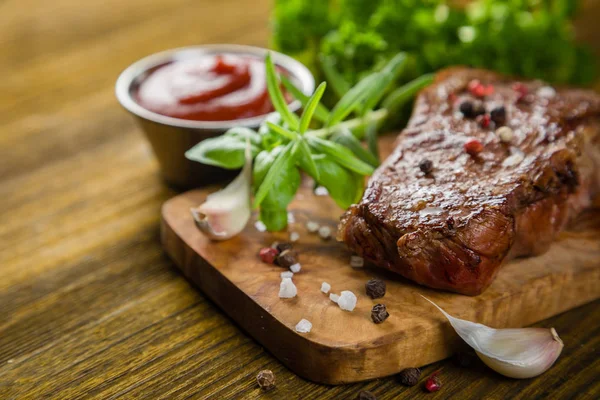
point(341, 155)
point(282, 131)
point(225, 151)
point(395, 100)
point(306, 159)
point(347, 139)
point(353, 98)
point(275, 219)
point(344, 186)
point(336, 80)
point(276, 95)
point(311, 107)
point(389, 73)
point(280, 167)
point(321, 112)
point(371, 136)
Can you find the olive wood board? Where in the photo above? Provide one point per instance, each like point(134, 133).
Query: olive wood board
point(347, 346)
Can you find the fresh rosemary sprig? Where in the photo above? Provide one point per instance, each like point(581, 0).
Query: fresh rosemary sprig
point(322, 143)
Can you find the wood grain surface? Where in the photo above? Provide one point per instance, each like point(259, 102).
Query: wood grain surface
point(343, 346)
point(90, 306)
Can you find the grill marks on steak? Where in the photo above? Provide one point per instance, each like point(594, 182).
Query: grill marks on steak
point(452, 228)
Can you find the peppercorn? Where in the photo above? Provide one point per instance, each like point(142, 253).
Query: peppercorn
point(498, 115)
point(268, 255)
point(286, 258)
point(426, 166)
point(471, 109)
point(266, 379)
point(410, 376)
point(473, 147)
point(521, 90)
point(282, 246)
point(365, 395)
point(379, 313)
point(433, 383)
point(375, 288)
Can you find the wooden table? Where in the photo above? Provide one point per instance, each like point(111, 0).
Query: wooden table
point(90, 306)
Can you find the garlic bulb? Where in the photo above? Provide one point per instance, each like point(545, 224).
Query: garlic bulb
point(516, 353)
point(225, 213)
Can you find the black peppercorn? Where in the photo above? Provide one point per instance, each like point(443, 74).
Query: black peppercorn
point(410, 376)
point(282, 246)
point(426, 166)
point(471, 109)
point(286, 258)
point(375, 288)
point(266, 379)
point(379, 313)
point(365, 395)
point(498, 115)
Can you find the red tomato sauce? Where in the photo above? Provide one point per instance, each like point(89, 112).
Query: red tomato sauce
point(219, 87)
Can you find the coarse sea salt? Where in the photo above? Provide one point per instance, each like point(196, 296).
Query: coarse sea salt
point(325, 232)
point(334, 297)
point(295, 268)
point(287, 274)
point(312, 226)
point(304, 326)
point(290, 218)
point(325, 287)
point(357, 262)
point(260, 226)
point(321, 191)
point(287, 289)
point(347, 300)
point(294, 236)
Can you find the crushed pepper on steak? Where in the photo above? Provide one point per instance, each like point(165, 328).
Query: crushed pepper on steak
point(452, 230)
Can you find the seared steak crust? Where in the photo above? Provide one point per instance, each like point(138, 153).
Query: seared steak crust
point(452, 228)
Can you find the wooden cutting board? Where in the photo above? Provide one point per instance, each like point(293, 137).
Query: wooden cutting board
point(347, 346)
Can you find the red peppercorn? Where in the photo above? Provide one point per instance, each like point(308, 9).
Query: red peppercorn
point(521, 90)
point(478, 89)
point(484, 120)
point(268, 255)
point(473, 147)
point(433, 383)
point(452, 98)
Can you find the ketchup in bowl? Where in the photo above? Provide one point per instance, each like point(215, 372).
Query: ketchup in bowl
point(219, 87)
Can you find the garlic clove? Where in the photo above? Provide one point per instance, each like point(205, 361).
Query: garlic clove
point(225, 213)
point(516, 353)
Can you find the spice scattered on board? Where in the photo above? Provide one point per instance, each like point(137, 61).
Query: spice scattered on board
point(365, 395)
point(312, 226)
point(379, 313)
point(287, 289)
point(304, 326)
point(295, 268)
point(287, 274)
point(375, 288)
point(347, 300)
point(287, 258)
point(357, 262)
point(282, 246)
point(325, 232)
point(410, 376)
point(268, 255)
point(433, 383)
point(266, 379)
point(325, 287)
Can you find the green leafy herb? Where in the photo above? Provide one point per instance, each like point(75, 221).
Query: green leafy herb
point(285, 145)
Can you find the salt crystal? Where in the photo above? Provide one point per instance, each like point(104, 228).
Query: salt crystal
point(287, 274)
point(546, 92)
point(290, 218)
point(516, 157)
point(325, 232)
point(321, 191)
point(287, 289)
point(347, 300)
point(260, 226)
point(430, 211)
point(325, 287)
point(312, 226)
point(304, 326)
point(357, 262)
point(294, 236)
point(334, 297)
point(295, 268)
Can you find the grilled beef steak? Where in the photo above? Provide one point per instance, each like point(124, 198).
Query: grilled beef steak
point(458, 196)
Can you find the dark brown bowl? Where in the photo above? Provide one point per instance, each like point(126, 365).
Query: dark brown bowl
point(171, 137)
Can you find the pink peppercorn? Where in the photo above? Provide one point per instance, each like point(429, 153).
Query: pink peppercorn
point(433, 383)
point(473, 147)
point(484, 120)
point(478, 89)
point(521, 90)
point(268, 255)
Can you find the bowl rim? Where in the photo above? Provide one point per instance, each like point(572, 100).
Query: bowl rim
point(135, 71)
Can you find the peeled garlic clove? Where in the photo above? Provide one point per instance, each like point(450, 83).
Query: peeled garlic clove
point(516, 353)
point(225, 213)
